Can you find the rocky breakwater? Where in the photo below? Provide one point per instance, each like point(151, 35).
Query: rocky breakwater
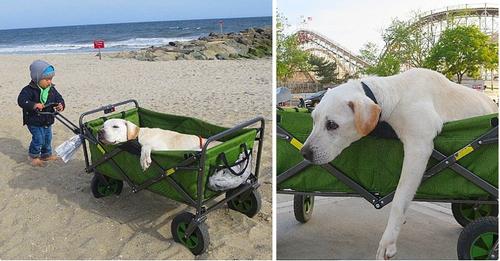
point(252, 43)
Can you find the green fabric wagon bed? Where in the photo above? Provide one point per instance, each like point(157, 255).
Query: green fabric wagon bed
point(183, 176)
point(231, 146)
point(375, 163)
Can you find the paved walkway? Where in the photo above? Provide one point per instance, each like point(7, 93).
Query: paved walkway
point(350, 228)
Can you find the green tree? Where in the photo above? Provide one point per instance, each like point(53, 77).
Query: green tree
point(406, 41)
point(289, 57)
point(327, 71)
point(463, 50)
point(369, 53)
point(404, 45)
point(387, 64)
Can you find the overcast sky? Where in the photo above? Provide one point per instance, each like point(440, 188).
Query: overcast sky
point(352, 23)
point(45, 13)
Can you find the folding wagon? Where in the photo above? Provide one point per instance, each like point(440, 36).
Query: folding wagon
point(178, 175)
point(463, 170)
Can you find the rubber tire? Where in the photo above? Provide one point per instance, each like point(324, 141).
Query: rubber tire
point(301, 210)
point(200, 232)
point(249, 197)
point(472, 231)
point(456, 208)
point(96, 183)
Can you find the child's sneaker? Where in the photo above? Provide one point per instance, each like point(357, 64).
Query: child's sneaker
point(37, 162)
point(50, 158)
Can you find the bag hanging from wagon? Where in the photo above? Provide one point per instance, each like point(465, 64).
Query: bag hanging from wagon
point(231, 177)
point(67, 149)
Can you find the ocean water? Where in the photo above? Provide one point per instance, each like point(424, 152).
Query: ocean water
point(117, 37)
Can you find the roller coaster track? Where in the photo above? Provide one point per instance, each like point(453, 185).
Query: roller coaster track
point(322, 46)
point(485, 16)
point(434, 22)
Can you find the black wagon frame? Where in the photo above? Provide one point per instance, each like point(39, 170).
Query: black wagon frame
point(374, 198)
point(202, 207)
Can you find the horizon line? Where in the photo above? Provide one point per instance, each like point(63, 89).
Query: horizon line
point(130, 22)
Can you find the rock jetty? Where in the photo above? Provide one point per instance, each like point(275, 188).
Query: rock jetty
point(252, 43)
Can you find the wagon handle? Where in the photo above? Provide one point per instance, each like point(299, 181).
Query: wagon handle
point(58, 116)
point(48, 105)
point(222, 156)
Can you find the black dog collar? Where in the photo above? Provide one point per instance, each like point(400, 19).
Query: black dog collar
point(368, 92)
point(383, 129)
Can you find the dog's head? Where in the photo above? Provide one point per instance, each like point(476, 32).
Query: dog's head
point(344, 115)
point(117, 130)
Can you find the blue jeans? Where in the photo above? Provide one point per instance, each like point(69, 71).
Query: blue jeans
point(41, 140)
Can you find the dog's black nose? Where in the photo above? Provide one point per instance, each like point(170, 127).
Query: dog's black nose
point(307, 153)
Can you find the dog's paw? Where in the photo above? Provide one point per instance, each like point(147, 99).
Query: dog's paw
point(145, 164)
point(386, 250)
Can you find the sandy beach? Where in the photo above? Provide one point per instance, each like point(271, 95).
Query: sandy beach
point(50, 213)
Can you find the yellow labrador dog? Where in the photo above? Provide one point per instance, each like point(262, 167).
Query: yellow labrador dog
point(117, 131)
point(415, 103)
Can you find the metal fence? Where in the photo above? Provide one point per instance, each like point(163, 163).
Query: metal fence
point(303, 87)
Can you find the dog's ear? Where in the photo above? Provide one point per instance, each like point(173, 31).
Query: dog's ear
point(132, 130)
point(366, 114)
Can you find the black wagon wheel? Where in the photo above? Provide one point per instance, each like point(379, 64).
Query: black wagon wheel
point(465, 213)
point(303, 206)
point(101, 189)
point(479, 240)
point(248, 202)
point(198, 241)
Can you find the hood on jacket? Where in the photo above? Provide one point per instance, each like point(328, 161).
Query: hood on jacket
point(37, 68)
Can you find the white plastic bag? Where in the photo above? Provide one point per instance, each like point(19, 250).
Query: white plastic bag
point(67, 149)
point(224, 179)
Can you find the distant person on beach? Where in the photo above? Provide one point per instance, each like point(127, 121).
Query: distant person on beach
point(32, 99)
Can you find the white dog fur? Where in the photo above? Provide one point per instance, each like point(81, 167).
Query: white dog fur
point(117, 131)
point(415, 103)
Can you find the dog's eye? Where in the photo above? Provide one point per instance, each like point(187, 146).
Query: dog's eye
point(331, 125)
point(116, 127)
